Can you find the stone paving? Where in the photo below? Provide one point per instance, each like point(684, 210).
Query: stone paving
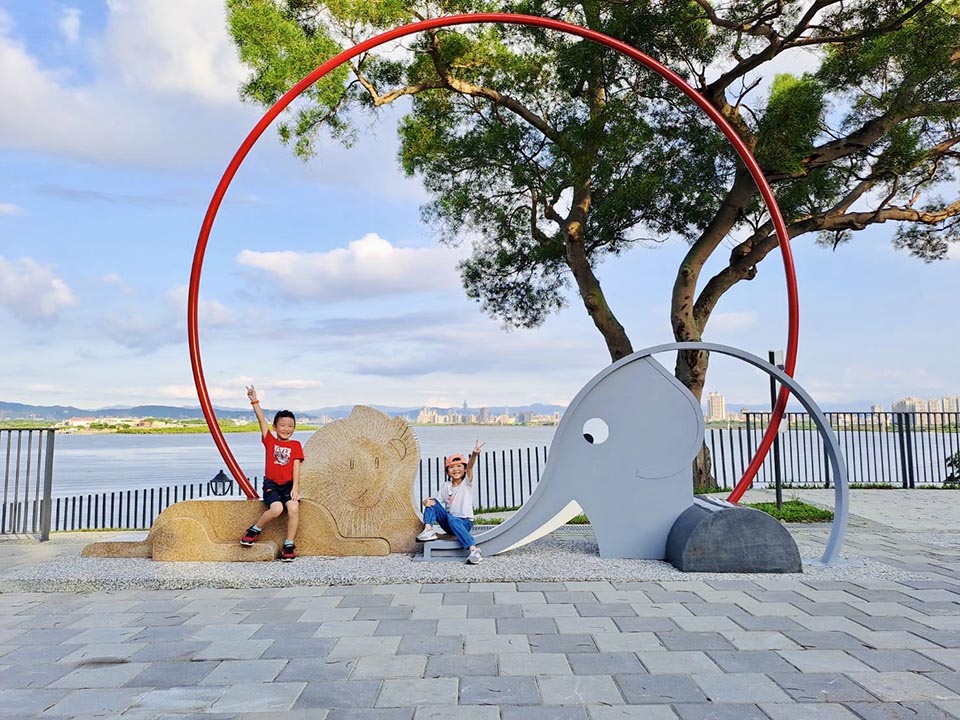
point(771, 647)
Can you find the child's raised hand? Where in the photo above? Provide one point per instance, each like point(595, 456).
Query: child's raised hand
point(477, 447)
point(252, 393)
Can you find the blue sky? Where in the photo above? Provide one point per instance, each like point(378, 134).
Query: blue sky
point(320, 283)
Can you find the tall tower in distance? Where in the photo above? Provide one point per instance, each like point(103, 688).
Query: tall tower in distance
point(716, 407)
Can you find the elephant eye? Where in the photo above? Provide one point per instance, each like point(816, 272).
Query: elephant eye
point(595, 431)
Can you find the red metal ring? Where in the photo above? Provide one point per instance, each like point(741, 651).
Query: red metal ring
point(506, 18)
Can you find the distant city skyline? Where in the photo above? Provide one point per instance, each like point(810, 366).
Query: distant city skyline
point(716, 411)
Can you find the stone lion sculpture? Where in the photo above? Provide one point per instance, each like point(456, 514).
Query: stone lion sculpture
point(356, 489)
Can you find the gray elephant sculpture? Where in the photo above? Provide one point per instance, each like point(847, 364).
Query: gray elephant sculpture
point(623, 455)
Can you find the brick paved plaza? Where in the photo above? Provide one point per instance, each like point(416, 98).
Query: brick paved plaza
point(742, 647)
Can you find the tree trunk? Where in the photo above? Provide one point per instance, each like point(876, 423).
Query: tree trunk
point(703, 479)
point(691, 370)
point(588, 284)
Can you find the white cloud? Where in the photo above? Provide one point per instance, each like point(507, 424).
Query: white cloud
point(32, 291)
point(368, 267)
point(40, 110)
point(227, 392)
point(176, 46)
point(130, 328)
point(43, 388)
point(10, 209)
point(297, 384)
point(148, 328)
point(211, 313)
point(176, 392)
point(188, 393)
point(70, 25)
point(164, 94)
point(731, 322)
point(862, 382)
point(118, 282)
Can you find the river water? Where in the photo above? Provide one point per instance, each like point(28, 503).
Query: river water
point(109, 462)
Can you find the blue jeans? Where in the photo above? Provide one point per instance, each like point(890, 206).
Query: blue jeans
point(437, 514)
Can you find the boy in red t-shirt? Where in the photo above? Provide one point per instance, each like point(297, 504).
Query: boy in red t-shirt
point(281, 477)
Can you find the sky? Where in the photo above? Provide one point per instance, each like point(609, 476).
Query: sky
point(320, 283)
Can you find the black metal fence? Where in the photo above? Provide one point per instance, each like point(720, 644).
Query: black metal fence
point(503, 478)
point(130, 509)
point(880, 449)
point(27, 457)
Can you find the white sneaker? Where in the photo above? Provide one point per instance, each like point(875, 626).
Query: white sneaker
point(438, 529)
point(474, 558)
point(427, 536)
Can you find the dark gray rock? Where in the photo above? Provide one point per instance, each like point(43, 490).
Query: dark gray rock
point(715, 536)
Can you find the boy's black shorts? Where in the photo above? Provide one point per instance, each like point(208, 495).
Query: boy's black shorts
point(273, 492)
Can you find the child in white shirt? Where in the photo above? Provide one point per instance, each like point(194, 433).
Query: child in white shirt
point(451, 509)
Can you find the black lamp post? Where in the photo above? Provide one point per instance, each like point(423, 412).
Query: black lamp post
point(220, 484)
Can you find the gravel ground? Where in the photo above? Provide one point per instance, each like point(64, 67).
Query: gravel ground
point(569, 554)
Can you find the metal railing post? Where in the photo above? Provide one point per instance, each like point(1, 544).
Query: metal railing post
point(47, 488)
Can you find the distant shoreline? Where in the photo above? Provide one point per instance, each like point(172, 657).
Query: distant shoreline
point(198, 429)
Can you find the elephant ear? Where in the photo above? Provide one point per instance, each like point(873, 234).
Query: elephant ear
point(637, 415)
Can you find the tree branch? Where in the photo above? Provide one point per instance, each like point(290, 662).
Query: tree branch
point(683, 321)
point(748, 254)
point(464, 87)
point(389, 97)
point(716, 90)
point(842, 38)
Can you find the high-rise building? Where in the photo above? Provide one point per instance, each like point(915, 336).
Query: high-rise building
point(484, 415)
point(428, 416)
point(950, 404)
point(913, 405)
point(934, 405)
point(910, 404)
point(716, 407)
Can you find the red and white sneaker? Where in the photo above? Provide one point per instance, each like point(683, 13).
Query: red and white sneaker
point(250, 537)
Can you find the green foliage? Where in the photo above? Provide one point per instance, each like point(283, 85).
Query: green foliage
point(280, 52)
point(952, 464)
point(580, 519)
point(791, 123)
point(542, 147)
point(794, 511)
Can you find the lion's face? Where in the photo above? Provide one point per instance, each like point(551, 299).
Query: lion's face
point(361, 469)
point(363, 475)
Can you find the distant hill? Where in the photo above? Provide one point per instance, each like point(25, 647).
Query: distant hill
point(19, 411)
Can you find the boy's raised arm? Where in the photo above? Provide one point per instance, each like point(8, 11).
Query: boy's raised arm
point(264, 426)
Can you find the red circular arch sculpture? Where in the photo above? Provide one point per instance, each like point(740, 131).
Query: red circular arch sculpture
point(509, 19)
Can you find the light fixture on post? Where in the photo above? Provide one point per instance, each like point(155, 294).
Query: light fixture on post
point(221, 484)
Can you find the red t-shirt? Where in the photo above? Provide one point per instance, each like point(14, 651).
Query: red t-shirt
point(280, 457)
